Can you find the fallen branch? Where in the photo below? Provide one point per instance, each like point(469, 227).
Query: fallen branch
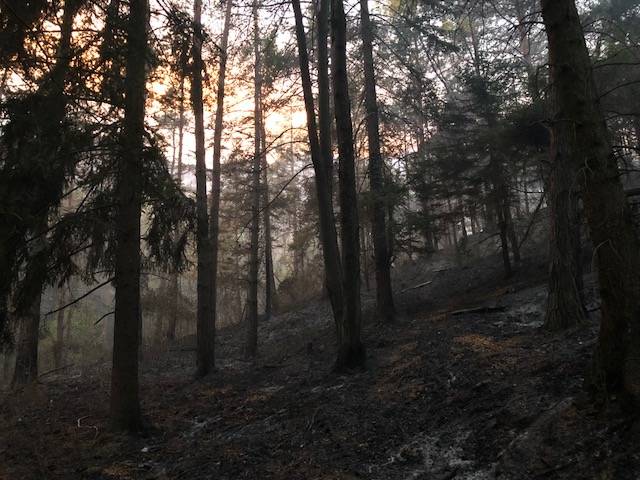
point(55, 370)
point(480, 309)
point(415, 287)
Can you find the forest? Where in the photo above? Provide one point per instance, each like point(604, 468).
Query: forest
point(331, 239)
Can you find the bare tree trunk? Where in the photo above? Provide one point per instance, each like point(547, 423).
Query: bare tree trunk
point(384, 294)
point(324, 94)
point(269, 282)
point(204, 354)
point(328, 234)
point(58, 346)
point(351, 352)
point(175, 276)
point(511, 231)
point(590, 155)
point(251, 346)
point(504, 242)
point(125, 403)
point(214, 214)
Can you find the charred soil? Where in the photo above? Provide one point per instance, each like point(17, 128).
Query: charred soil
point(452, 391)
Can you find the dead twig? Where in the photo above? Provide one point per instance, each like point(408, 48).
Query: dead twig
point(94, 427)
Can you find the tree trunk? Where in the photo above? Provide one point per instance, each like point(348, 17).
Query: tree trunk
point(175, 276)
point(214, 214)
point(565, 308)
point(26, 367)
point(564, 305)
point(511, 231)
point(125, 403)
point(251, 346)
point(324, 94)
point(384, 295)
point(204, 354)
point(351, 352)
point(269, 282)
point(591, 157)
point(58, 346)
point(328, 234)
point(504, 242)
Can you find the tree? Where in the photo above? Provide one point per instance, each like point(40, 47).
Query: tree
point(351, 352)
point(578, 119)
point(251, 346)
point(565, 307)
point(269, 281)
point(125, 403)
point(382, 255)
point(204, 356)
point(53, 103)
point(214, 213)
point(328, 235)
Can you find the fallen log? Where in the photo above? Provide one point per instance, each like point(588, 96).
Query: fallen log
point(480, 309)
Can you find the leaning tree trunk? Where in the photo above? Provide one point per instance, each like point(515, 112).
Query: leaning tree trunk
point(328, 234)
point(204, 356)
point(351, 352)
point(214, 214)
point(384, 294)
point(125, 403)
point(590, 155)
point(251, 346)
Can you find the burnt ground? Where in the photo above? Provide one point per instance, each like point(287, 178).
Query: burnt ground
point(446, 395)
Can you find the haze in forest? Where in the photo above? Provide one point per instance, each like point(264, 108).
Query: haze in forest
point(331, 239)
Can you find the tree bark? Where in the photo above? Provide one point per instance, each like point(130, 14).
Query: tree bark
point(251, 346)
point(384, 294)
point(590, 155)
point(328, 234)
point(565, 308)
point(125, 403)
point(204, 354)
point(214, 214)
point(351, 353)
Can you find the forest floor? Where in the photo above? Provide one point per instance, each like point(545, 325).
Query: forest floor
point(446, 395)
